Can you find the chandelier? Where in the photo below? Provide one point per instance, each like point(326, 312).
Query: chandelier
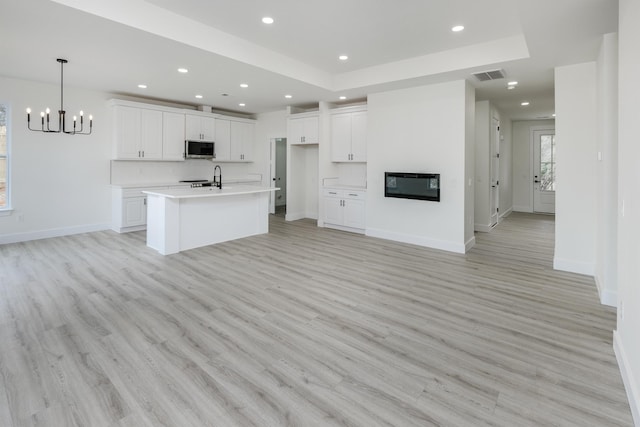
point(62, 126)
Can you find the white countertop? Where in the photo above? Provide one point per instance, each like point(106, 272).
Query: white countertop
point(177, 184)
point(227, 190)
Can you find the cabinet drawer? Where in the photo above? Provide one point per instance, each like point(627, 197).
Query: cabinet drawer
point(331, 192)
point(133, 192)
point(354, 194)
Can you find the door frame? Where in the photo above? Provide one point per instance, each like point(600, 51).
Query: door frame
point(532, 142)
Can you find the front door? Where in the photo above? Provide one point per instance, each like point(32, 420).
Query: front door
point(544, 171)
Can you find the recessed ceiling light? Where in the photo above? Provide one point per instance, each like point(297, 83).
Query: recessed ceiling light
point(267, 20)
point(244, 85)
point(343, 98)
point(510, 87)
point(553, 115)
point(457, 28)
point(512, 83)
point(525, 103)
point(142, 86)
point(288, 96)
point(183, 70)
point(242, 104)
point(343, 57)
point(199, 96)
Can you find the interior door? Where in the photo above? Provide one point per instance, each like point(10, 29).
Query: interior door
point(544, 171)
point(495, 171)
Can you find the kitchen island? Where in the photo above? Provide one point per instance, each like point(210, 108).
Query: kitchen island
point(182, 219)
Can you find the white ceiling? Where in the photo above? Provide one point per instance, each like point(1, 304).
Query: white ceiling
point(115, 45)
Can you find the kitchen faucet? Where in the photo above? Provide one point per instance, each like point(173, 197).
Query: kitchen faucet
point(218, 182)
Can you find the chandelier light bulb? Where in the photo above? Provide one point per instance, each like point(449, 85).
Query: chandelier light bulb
point(28, 110)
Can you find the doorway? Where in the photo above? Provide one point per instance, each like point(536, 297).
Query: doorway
point(544, 170)
point(278, 169)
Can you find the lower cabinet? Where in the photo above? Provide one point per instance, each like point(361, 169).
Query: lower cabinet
point(344, 209)
point(129, 210)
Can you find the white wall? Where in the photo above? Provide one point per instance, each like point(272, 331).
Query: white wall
point(607, 171)
point(506, 167)
point(482, 166)
point(59, 183)
point(576, 130)
point(469, 164)
point(268, 126)
point(627, 336)
point(522, 162)
point(421, 129)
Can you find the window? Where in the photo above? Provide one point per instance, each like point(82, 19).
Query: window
point(4, 159)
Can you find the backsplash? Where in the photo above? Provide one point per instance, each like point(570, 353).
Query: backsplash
point(134, 172)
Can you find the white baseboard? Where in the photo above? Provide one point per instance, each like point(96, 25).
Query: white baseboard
point(528, 209)
point(607, 296)
point(417, 240)
point(470, 243)
point(56, 232)
point(573, 266)
point(630, 385)
point(343, 228)
point(483, 228)
point(505, 214)
point(294, 216)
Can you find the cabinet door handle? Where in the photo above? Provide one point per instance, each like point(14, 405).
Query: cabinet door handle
point(354, 195)
point(332, 192)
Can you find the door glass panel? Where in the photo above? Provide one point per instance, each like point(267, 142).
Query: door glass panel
point(3, 182)
point(547, 163)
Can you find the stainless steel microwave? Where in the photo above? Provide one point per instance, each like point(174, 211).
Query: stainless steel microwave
point(199, 149)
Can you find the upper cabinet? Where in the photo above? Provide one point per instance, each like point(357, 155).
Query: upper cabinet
point(349, 136)
point(200, 128)
point(242, 134)
point(152, 132)
point(172, 136)
point(137, 133)
point(303, 130)
point(222, 147)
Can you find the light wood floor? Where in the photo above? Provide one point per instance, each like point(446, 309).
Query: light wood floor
point(307, 327)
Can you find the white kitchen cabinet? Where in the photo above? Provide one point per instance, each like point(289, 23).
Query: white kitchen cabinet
point(303, 130)
point(129, 210)
point(344, 209)
point(137, 133)
point(200, 128)
point(349, 137)
point(241, 140)
point(172, 136)
point(222, 147)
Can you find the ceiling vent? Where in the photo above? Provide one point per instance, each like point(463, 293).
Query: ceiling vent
point(484, 76)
